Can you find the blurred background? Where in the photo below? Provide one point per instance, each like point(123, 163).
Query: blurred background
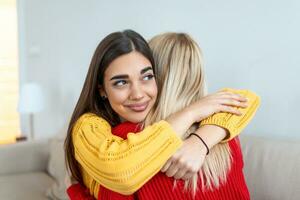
point(47, 45)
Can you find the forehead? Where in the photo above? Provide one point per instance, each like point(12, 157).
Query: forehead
point(130, 64)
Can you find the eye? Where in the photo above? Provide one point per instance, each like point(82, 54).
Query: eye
point(120, 83)
point(148, 77)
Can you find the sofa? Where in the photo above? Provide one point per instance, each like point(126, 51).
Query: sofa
point(35, 170)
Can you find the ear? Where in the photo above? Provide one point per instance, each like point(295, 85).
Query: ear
point(102, 91)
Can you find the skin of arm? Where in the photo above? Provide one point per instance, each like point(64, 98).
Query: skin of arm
point(211, 134)
point(222, 101)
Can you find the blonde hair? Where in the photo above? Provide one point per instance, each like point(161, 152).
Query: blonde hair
point(180, 81)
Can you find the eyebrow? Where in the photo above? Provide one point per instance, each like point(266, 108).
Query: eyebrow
point(125, 76)
point(143, 71)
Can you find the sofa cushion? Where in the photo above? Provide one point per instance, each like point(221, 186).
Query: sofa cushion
point(30, 185)
point(272, 167)
point(57, 169)
point(24, 157)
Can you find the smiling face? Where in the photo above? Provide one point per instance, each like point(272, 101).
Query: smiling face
point(130, 86)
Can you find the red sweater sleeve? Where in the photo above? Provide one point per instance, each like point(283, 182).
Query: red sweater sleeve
point(79, 192)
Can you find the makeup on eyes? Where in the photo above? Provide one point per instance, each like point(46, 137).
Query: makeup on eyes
point(126, 76)
point(120, 78)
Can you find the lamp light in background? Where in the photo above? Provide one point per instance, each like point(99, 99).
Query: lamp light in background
point(31, 101)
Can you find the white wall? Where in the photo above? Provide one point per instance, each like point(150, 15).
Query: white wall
point(247, 44)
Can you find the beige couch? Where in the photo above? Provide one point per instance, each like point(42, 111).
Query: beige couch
point(32, 170)
point(35, 170)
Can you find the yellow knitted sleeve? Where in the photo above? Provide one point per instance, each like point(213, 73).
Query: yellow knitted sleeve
point(234, 123)
point(121, 165)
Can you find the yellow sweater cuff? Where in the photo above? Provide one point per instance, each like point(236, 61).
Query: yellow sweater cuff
point(234, 123)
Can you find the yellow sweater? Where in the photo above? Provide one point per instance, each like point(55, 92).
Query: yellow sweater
point(125, 165)
point(118, 164)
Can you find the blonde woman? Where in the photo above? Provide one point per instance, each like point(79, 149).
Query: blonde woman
point(179, 62)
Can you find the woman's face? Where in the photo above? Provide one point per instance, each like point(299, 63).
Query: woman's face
point(130, 86)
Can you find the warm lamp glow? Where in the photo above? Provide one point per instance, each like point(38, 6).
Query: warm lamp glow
point(9, 80)
point(7, 138)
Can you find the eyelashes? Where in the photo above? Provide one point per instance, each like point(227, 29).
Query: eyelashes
point(123, 82)
point(119, 83)
point(148, 77)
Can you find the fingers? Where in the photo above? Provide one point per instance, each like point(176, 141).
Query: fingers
point(180, 173)
point(230, 109)
point(233, 96)
point(230, 100)
point(180, 168)
point(166, 166)
point(188, 175)
point(233, 102)
point(172, 170)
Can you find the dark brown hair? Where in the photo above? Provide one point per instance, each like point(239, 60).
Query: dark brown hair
point(110, 48)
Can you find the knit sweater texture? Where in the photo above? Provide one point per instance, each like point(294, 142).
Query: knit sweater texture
point(162, 187)
point(89, 126)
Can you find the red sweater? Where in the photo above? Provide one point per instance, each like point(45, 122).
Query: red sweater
point(161, 186)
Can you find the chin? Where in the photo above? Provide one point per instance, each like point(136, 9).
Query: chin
point(136, 117)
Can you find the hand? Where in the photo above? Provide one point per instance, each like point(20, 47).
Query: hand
point(69, 180)
point(187, 161)
point(215, 103)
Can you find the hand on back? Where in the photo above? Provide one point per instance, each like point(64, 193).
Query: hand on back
point(215, 103)
point(187, 161)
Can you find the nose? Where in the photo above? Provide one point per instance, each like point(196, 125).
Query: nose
point(136, 92)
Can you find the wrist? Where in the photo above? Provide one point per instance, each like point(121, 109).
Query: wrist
point(191, 114)
point(204, 147)
point(211, 134)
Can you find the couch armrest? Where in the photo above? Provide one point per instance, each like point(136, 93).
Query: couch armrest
point(23, 157)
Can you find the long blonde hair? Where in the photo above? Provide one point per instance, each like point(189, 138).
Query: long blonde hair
point(180, 81)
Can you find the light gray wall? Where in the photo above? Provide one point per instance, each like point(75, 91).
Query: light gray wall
point(247, 44)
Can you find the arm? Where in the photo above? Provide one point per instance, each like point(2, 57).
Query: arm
point(234, 124)
point(158, 133)
point(222, 127)
point(150, 144)
point(212, 130)
point(112, 161)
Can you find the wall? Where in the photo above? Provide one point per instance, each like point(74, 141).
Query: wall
point(247, 44)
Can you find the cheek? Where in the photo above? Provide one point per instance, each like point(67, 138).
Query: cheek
point(153, 90)
point(116, 96)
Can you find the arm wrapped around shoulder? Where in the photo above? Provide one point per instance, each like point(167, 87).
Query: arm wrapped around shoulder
point(234, 124)
point(122, 165)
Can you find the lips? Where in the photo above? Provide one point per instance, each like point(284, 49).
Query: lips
point(138, 107)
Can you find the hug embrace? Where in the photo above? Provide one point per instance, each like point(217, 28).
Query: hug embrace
point(144, 126)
